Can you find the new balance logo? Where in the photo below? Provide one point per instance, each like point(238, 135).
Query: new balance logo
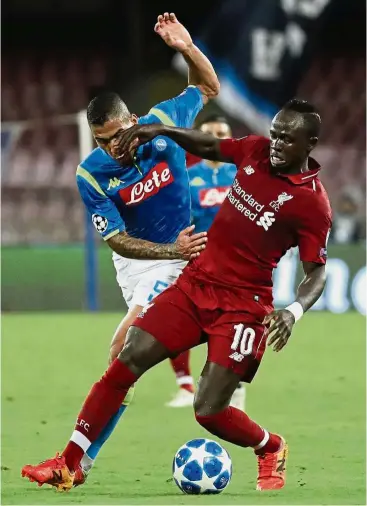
point(249, 170)
point(281, 465)
point(238, 357)
point(266, 220)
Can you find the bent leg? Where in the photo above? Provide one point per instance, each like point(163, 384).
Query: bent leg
point(236, 345)
point(163, 329)
point(141, 352)
point(213, 412)
point(116, 346)
point(150, 285)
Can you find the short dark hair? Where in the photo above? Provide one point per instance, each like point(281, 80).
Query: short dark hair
point(105, 106)
point(213, 118)
point(309, 112)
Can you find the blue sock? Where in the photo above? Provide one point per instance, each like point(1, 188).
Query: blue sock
point(96, 446)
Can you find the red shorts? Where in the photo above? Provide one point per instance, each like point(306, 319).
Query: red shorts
point(236, 340)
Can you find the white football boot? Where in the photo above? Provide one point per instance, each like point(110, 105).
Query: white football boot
point(239, 398)
point(182, 399)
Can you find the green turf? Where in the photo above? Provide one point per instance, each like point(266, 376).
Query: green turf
point(313, 393)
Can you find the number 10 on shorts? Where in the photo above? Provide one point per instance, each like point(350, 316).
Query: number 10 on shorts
point(243, 341)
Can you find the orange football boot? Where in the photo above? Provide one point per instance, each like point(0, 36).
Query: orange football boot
point(54, 472)
point(272, 469)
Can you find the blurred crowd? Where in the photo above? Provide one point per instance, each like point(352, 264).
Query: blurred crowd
point(40, 142)
point(349, 219)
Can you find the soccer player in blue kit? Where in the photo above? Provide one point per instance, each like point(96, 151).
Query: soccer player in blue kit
point(210, 182)
point(141, 206)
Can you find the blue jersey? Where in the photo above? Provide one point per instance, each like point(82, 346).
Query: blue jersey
point(209, 188)
point(150, 200)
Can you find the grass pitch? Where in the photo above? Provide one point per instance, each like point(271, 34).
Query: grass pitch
point(313, 393)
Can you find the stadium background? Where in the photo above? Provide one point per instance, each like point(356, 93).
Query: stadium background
point(56, 56)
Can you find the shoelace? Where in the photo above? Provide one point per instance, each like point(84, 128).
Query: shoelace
point(265, 466)
point(58, 456)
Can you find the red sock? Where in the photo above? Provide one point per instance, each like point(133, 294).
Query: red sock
point(181, 366)
point(102, 402)
point(235, 426)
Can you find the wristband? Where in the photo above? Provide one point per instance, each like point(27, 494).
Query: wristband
point(296, 309)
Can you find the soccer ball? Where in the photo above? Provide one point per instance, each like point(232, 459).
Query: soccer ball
point(202, 466)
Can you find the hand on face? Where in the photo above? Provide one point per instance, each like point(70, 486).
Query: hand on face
point(129, 140)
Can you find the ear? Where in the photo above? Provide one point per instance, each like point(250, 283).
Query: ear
point(312, 143)
point(134, 119)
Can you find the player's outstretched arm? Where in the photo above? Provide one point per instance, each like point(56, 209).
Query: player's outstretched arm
point(308, 293)
point(201, 71)
point(196, 142)
point(187, 247)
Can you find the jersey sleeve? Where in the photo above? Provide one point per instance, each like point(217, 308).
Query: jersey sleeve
point(180, 111)
point(234, 150)
point(103, 212)
point(313, 234)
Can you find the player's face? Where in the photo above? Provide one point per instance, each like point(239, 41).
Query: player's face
point(218, 129)
point(290, 143)
point(106, 135)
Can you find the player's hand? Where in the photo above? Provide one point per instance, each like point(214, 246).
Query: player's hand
point(280, 327)
point(173, 32)
point(189, 245)
point(131, 138)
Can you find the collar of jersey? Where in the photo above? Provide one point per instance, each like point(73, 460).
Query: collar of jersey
point(303, 177)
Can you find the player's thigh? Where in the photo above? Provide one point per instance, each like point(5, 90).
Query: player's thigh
point(154, 281)
point(237, 342)
point(119, 336)
point(142, 280)
point(171, 318)
point(215, 388)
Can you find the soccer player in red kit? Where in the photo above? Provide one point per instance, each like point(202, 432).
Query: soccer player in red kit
point(224, 297)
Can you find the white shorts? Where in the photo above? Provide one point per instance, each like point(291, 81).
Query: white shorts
point(141, 280)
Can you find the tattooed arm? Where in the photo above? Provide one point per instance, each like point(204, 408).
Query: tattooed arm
point(186, 247)
point(108, 222)
point(130, 247)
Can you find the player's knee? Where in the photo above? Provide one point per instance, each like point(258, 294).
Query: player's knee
point(209, 421)
point(133, 353)
point(206, 404)
point(141, 351)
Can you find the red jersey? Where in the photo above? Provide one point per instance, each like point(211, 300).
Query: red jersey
point(192, 160)
point(264, 214)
